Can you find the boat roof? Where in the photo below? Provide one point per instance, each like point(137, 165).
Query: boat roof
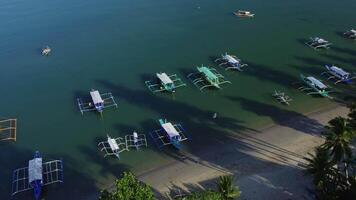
point(316, 82)
point(339, 71)
point(113, 144)
point(95, 95)
point(170, 130)
point(207, 72)
point(164, 78)
point(34, 169)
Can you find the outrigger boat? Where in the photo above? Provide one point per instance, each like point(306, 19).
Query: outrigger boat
point(98, 102)
point(243, 13)
point(46, 51)
point(135, 140)
point(281, 97)
point(165, 82)
point(338, 74)
point(351, 34)
point(317, 42)
point(113, 146)
point(314, 85)
point(168, 134)
point(37, 175)
point(207, 77)
point(231, 61)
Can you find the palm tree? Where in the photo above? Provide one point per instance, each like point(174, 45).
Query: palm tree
point(338, 138)
point(319, 165)
point(352, 116)
point(227, 189)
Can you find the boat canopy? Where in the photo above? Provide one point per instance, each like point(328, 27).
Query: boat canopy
point(164, 78)
point(35, 169)
point(208, 73)
point(339, 71)
point(231, 59)
point(170, 130)
point(316, 82)
point(95, 95)
point(113, 144)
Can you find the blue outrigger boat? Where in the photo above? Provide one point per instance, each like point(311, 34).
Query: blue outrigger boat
point(36, 183)
point(168, 134)
point(338, 74)
point(37, 175)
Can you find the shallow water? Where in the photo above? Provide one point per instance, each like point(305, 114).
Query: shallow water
point(114, 46)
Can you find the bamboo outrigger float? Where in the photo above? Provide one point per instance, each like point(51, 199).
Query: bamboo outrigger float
point(37, 175)
point(317, 43)
point(8, 128)
point(351, 34)
point(98, 102)
point(338, 74)
point(244, 13)
point(315, 86)
point(165, 82)
point(207, 77)
point(281, 97)
point(168, 134)
point(231, 62)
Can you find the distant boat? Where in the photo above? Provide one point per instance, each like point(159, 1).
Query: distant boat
point(244, 13)
point(46, 51)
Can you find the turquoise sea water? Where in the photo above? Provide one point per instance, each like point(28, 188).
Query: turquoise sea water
point(114, 46)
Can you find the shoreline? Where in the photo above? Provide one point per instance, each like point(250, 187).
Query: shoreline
point(259, 161)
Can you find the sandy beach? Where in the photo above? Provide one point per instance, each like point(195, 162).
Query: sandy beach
point(267, 164)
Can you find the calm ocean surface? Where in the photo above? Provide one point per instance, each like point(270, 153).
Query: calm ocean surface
point(115, 45)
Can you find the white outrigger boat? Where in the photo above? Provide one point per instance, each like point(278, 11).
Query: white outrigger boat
point(351, 34)
point(315, 86)
point(98, 102)
point(46, 51)
point(338, 74)
point(317, 42)
point(115, 146)
point(281, 97)
point(243, 13)
point(165, 82)
point(231, 62)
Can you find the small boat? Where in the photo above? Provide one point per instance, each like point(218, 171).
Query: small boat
point(281, 97)
point(231, 62)
point(97, 100)
point(46, 51)
point(244, 13)
point(338, 74)
point(351, 34)
point(36, 184)
point(317, 42)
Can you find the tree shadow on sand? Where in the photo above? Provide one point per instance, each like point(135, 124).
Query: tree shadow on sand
point(279, 116)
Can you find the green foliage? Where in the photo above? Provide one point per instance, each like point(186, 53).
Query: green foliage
point(334, 166)
point(319, 165)
point(227, 189)
point(205, 195)
point(128, 188)
point(338, 138)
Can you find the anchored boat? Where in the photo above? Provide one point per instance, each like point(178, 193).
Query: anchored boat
point(168, 134)
point(314, 85)
point(231, 62)
point(165, 82)
point(317, 43)
point(46, 51)
point(97, 102)
point(207, 77)
point(338, 74)
point(351, 34)
point(37, 175)
point(243, 13)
